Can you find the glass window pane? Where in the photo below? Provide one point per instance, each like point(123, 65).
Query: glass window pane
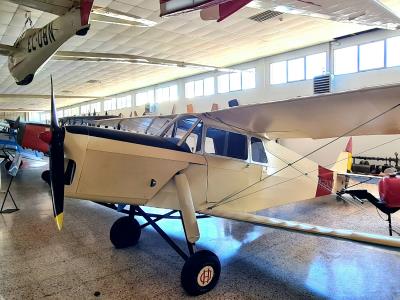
point(278, 72)
point(393, 51)
point(209, 86)
point(223, 83)
point(315, 65)
point(129, 101)
point(189, 89)
point(95, 107)
point(173, 93)
point(249, 79)
point(235, 81)
point(159, 95)
point(198, 88)
point(296, 69)
point(225, 143)
point(141, 99)
point(346, 60)
point(150, 96)
point(372, 56)
point(258, 151)
point(165, 94)
point(60, 113)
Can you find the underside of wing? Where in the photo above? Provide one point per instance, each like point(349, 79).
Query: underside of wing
point(351, 235)
point(370, 111)
point(108, 15)
point(132, 59)
point(365, 12)
point(56, 7)
point(6, 50)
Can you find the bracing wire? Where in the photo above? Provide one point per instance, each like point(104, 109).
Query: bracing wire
point(228, 198)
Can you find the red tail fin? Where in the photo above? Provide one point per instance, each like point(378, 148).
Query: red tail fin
point(223, 10)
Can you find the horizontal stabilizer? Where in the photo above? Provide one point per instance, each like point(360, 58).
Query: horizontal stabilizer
point(351, 235)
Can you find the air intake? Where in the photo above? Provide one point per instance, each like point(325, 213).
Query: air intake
point(266, 15)
point(322, 84)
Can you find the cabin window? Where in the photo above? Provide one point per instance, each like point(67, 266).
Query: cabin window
point(258, 151)
point(225, 143)
point(180, 131)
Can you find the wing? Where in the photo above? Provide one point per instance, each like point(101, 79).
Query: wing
point(370, 111)
point(98, 14)
point(146, 124)
point(108, 15)
point(305, 228)
point(364, 12)
point(56, 7)
point(6, 50)
point(133, 59)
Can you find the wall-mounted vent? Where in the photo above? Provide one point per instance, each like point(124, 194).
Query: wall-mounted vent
point(322, 84)
point(266, 15)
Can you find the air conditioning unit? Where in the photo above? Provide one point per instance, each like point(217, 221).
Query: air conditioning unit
point(322, 84)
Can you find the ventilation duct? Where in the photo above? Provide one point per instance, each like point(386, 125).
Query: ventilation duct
point(322, 84)
point(264, 16)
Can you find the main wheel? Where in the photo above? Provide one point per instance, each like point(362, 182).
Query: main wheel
point(200, 273)
point(125, 232)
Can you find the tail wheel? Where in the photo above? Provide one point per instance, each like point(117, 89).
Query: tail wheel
point(125, 232)
point(200, 273)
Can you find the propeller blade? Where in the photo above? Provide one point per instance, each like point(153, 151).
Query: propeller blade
point(56, 164)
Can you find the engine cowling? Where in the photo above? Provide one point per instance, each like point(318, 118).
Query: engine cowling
point(389, 191)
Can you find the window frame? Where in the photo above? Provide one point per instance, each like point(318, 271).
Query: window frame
point(206, 127)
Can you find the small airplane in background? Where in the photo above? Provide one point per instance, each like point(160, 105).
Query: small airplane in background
point(36, 46)
point(223, 163)
point(366, 12)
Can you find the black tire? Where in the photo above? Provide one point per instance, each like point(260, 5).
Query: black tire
point(125, 232)
point(46, 176)
point(200, 273)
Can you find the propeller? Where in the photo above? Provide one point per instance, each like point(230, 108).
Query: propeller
point(56, 163)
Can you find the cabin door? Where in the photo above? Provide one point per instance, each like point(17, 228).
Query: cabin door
point(229, 170)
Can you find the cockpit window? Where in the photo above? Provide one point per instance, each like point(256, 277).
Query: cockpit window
point(225, 143)
point(258, 151)
point(181, 129)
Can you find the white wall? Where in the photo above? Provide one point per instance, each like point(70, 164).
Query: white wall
point(265, 92)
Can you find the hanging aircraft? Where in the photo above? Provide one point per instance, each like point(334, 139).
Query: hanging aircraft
point(36, 46)
point(365, 12)
point(223, 163)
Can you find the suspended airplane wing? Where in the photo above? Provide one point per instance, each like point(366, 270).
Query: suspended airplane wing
point(36, 46)
point(133, 59)
point(320, 116)
point(98, 14)
point(364, 12)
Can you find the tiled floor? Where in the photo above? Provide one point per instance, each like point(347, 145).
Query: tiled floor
point(257, 263)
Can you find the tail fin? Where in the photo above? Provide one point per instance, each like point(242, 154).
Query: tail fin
point(345, 159)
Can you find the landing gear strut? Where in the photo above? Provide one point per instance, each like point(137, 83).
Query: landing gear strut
point(201, 270)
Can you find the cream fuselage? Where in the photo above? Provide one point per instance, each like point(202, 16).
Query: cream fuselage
point(113, 171)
